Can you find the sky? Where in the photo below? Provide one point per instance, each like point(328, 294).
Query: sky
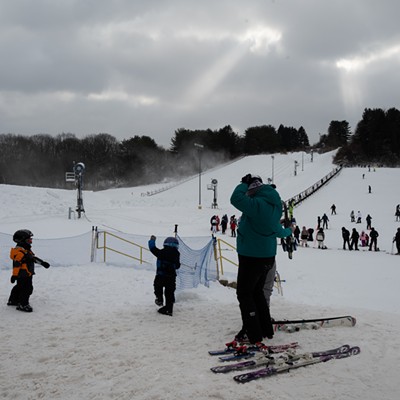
point(95, 333)
point(129, 67)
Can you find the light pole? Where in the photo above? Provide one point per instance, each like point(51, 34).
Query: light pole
point(199, 147)
point(273, 157)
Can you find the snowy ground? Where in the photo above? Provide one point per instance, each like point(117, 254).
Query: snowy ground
point(95, 332)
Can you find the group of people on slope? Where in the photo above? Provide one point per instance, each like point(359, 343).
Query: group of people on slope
point(352, 240)
point(216, 223)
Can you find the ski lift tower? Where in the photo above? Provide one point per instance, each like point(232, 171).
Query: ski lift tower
point(213, 186)
point(77, 177)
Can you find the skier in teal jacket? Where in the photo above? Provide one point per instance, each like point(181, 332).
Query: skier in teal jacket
point(259, 228)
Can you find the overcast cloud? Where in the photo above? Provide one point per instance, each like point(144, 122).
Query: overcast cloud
point(149, 67)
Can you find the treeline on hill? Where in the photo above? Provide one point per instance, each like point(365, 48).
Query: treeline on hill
point(43, 160)
point(376, 139)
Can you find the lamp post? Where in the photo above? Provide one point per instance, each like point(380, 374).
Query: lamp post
point(199, 148)
point(272, 177)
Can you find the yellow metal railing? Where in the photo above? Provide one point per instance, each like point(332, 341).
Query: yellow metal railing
point(105, 247)
point(219, 258)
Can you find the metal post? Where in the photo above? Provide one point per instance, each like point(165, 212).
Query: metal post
point(273, 157)
point(200, 147)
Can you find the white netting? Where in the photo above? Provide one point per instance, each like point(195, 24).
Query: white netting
point(197, 266)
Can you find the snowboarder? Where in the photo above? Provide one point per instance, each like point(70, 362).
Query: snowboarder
point(24, 261)
point(354, 239)
point(168, 261)
point(374, 239)
point(346, 238)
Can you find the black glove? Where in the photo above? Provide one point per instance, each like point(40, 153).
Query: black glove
point(247, 179)
point(152, 237)
point(13, 279)
point(45, 264)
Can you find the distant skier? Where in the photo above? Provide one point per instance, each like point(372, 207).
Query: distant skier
point(359, 217)
point(346, 238)
point(368, 219)
point(304, 236)
point(397, 213)
point(296, 234)
point(325, 220)
point(214, 224)
point(333, 209)
point(224, 223)
point(320, 238)
point(352, 216)
point(233, 225)
point(310, 234)
point(364, 238)
point(354, 239)
point(396, 240)
point(374, 239)
point(369, 188)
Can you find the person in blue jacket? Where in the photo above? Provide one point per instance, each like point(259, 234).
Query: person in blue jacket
point(256, 243)
point(168, 261)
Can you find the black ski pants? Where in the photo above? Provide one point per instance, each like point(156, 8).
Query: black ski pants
point(253, 306)
point(21, 292)
point(165, 285)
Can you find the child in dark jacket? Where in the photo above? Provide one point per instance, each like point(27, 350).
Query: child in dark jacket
point(168, 261)
point(23, 270)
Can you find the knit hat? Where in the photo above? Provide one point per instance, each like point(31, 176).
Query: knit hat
point(254, 185)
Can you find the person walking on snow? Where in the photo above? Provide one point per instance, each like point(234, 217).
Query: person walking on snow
point(320, 238)
point(374, 239)
point(168, 261)
point(256, 244)
point(233, 225)
point(396, 240)
point(325, 220)
point(368, 219)
point(354, 239)
point(333, 209)
point(304, 237)
point(346, 238)
point(24, 261)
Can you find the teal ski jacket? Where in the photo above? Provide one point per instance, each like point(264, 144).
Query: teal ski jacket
point(259, 224)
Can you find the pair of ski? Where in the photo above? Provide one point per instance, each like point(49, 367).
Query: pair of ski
point(300, 324)
point(234, 351)
point(283, 363)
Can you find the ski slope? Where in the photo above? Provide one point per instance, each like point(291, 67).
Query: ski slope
point(95, 332)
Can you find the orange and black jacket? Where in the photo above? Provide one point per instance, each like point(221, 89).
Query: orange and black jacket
point(23, 262)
